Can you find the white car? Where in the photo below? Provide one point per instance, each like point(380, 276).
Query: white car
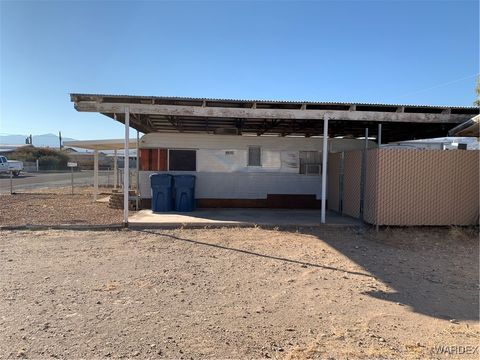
point(13, 166)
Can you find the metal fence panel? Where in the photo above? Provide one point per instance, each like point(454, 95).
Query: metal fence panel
point(434, 187)
point(333, 183)
point(351, 183)
point(409, 187)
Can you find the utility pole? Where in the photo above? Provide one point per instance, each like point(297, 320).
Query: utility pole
point(60, 139)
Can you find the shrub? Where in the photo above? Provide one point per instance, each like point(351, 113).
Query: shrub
point(48, 159)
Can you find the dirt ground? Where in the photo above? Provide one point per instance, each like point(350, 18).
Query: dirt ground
point(56, 207)
point(239, 293)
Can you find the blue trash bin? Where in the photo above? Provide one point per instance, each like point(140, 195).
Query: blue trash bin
point(162, 199)
point(184, 189)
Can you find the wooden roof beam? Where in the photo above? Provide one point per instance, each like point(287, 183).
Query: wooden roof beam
point(287, 114)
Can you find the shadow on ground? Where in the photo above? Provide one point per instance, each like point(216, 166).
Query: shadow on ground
point(433, 271)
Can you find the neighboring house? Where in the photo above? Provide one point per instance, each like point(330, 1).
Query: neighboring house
point(85, 159)
point(7, 148)
point(120, 158)
point(70, 150)
point(444, 143)
point(468, 128)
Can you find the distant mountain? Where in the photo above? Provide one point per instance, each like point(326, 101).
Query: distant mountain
point(45, 140)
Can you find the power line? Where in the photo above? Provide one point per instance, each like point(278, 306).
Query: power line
point(440, 85)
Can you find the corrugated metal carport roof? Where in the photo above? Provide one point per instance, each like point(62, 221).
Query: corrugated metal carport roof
point(135, 98)
point(274, 117)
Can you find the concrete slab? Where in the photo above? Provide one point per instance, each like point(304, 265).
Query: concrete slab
point(238, 217)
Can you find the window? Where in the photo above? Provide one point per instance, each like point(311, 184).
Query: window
point(254, 156)
point(182, 160)
point(310, 162)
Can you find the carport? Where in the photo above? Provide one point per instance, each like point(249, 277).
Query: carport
point(99, 145)
point(383, 122)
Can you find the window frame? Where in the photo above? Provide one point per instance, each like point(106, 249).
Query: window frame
point(260, 155)
point(182, 149)
point(319, 163)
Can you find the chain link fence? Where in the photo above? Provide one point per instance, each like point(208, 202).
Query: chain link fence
point(31, 180)
point(406, 187)
point(46, 198)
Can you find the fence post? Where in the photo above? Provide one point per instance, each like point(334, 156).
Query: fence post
point(11, 182)
point(115, 169)
point(71, 168)
point(379, 136)
point(340, 182)
point(363, 176)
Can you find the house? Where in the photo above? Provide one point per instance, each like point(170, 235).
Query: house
point(241, 171)
point(443, 143)
point(85, 159)
point(8, 148)
point(469, 128)
point(259, 153)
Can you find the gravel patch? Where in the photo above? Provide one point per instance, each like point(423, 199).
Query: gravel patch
point(238, 293)
point(56, 207)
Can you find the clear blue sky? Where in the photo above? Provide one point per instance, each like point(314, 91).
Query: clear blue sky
point(420, 52)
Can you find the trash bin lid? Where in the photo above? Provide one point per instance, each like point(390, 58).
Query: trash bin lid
point(184, 181)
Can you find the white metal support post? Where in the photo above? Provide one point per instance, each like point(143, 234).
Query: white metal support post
point(126, 167)
point(115, 170)
point(95, 175)
point(324, 169)
point(137, 178)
